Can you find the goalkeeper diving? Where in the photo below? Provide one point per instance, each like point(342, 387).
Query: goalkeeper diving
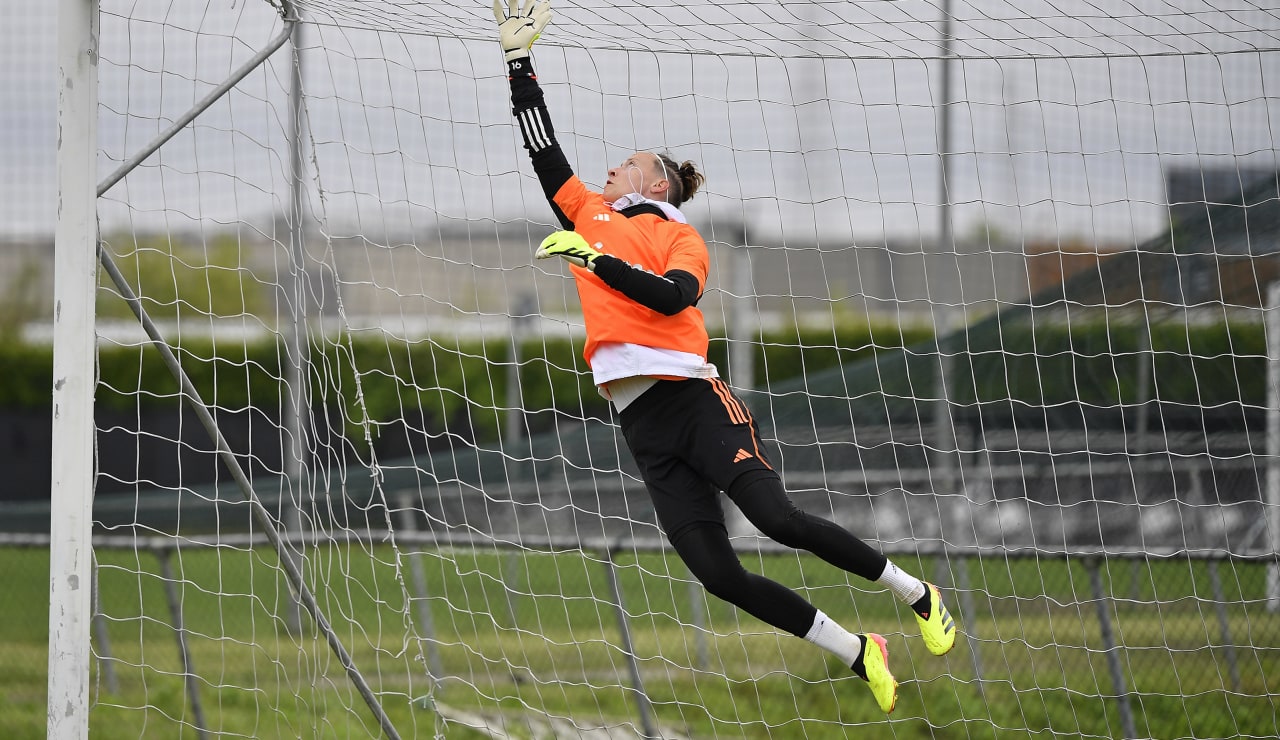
point(640, 269)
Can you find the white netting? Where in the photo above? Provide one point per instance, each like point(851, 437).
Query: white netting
point(1088, 479)
point(866, 28)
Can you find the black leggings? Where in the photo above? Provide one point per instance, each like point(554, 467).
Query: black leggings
point(705, 549)
point(693, 438)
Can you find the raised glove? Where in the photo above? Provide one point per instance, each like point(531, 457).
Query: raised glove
point(519, 27)
point(571, 246)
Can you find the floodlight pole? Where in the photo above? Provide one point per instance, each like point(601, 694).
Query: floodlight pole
point(946, 453)
point(74, 354)
point(948, 475)
point(297, 368)
point(1272, 508)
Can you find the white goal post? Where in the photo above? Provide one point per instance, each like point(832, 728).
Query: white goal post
point(71, 551)
point(998, 282)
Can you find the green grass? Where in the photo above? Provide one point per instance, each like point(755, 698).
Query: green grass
point(527, 635)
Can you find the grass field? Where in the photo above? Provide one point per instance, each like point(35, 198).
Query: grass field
point(526, 635)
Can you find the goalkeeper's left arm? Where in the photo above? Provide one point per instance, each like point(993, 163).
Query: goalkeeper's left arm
point(518, 28)
point(668, 294)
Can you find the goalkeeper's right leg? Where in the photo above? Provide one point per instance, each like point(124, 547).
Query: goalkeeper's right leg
point(866, 653)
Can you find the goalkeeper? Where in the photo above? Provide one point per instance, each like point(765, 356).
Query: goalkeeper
point(640, 269)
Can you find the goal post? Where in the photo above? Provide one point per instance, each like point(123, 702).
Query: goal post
point(71, 493)
point(997, 282)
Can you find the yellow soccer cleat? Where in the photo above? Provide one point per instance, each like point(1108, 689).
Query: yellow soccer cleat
point(936, 625)
point(875, 671)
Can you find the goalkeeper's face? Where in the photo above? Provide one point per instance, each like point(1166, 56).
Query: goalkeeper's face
point(642, 173)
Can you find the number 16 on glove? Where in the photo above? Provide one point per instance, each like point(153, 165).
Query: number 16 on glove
point(572, 247)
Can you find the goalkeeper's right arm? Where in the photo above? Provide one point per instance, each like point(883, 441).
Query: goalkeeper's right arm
point(518, 29)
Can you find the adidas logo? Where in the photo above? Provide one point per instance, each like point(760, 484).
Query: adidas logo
point(742, 455)
point(601, 217)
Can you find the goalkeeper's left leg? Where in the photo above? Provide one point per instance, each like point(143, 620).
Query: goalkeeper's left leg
point(762, 498)
point(706, 550)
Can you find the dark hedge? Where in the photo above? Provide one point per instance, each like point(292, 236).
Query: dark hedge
point(462, 386)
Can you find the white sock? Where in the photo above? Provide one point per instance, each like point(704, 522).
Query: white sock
point(906, 587)
point(828, 635)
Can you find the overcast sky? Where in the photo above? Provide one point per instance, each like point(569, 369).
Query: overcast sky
point(408, 129)
point(28, 116)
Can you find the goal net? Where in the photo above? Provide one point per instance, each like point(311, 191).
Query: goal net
point(993, 277)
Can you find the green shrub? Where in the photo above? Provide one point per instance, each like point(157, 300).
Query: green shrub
point(462, 386)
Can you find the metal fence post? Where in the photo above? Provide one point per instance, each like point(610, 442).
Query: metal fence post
point(1102, 603)
point(624, 630)
point(105, 661)
point(180, 631)
point(969, 613)
point(1224, 624)
point(418, 576)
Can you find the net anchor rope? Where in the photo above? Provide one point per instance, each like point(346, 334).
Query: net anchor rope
point(197, 404)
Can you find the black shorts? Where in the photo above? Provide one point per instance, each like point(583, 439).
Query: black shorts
point(691, 439)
